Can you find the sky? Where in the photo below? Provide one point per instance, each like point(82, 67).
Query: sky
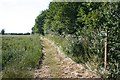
point(18, 16)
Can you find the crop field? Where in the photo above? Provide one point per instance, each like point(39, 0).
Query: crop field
point(20, 55)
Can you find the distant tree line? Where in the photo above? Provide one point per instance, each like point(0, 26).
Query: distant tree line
point(19, 33)
point(3, 33)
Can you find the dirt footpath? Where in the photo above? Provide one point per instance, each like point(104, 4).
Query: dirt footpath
point(56, 65)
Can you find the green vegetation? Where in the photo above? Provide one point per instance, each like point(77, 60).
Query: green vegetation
point(51, 61)
point(20, 55)
point(90, 26)
point(39, 22)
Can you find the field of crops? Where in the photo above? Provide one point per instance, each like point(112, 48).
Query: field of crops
point(20, 55)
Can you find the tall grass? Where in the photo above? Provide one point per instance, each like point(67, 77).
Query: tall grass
point(20, 55)
point(77, 50)
point(68, 46)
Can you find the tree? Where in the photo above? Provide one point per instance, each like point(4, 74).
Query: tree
point(61, 17)
point(2, 31)
point(39, 22)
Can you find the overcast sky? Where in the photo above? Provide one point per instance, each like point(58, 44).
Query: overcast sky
point(18, 16)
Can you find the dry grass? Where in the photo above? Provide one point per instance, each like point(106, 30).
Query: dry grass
point(50, 59)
